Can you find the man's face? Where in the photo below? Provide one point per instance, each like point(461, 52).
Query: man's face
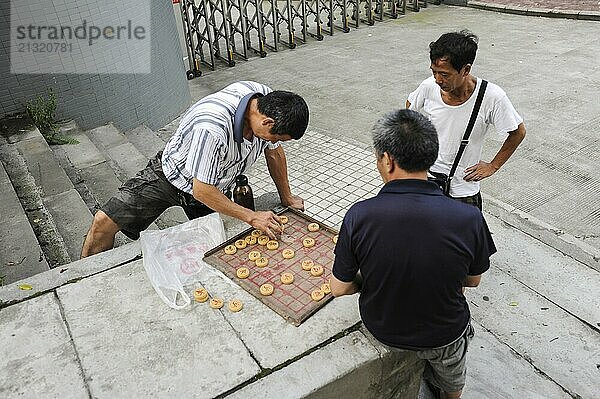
point(448, 78)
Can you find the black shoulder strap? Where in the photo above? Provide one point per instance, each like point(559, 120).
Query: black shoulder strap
point(465, 139)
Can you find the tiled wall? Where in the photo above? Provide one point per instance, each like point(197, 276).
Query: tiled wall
point(128, 100)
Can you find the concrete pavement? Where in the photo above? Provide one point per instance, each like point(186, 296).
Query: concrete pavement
point(536, 312)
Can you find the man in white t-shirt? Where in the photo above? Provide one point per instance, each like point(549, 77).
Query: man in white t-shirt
point(447, 99)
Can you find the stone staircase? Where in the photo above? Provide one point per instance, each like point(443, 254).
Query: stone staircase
point(50, 193)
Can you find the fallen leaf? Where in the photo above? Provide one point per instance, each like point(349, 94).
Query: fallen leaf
point(513, 303)
point(25, 287)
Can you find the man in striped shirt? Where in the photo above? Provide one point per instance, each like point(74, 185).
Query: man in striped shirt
point(218, 138)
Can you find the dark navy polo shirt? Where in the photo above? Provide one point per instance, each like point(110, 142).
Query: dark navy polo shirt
point(414, 248)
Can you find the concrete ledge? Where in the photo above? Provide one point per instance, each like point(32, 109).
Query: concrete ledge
point(535, 12)
point(356, 372)
point(548, 234)
point(54, 278)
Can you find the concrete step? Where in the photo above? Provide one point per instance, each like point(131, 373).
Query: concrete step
point(20, 253)
point(69, 212)
point(543, 306)
point(166, 132)
point(89, 170)
point(145, 140)
point(31, 196)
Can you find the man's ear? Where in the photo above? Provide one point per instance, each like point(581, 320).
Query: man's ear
point(466, 70)
point(388, 162)
point(268, 121)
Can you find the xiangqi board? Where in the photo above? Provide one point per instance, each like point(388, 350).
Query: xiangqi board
point(292, 301)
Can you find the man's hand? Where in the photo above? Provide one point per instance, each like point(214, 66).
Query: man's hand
point(267, 222)
point(480, 171)
point(294, 201)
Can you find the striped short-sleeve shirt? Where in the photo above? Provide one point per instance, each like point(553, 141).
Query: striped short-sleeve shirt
point(203, 147)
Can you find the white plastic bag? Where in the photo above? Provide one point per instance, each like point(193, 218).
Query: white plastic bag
point(173, 257)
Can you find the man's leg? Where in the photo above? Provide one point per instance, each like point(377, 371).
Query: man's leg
point(138, 203)
point(101, 236)
point(446, 367)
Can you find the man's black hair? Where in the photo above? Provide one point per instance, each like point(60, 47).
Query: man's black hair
point(288, 110)
point(458, 48)
point(408, 137)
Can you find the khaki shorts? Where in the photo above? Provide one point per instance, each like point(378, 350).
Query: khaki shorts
point(144, 197)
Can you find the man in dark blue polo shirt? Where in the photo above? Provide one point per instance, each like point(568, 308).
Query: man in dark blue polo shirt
point(410, 251)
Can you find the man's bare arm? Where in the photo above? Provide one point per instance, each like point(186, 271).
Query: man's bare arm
point(485, 169)
point(213, 198)
point(472, 281)
point(340, 288)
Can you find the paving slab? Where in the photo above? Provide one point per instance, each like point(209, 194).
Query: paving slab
point(547, 272)
point(356, 372)
point(54, 278)
point(494, 371)
point(270, 338)
point(37, 357)
point(42, 165)
point(72, 218)
point(20, 254)
point(145, 140)
point(557, 343)
point(132, 345)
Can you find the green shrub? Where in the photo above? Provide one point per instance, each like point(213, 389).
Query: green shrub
point(42, 112)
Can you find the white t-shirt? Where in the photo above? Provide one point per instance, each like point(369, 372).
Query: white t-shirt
point(451, 122)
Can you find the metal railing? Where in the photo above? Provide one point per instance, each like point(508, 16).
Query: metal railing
point(226, 30)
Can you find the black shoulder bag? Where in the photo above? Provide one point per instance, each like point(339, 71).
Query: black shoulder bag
point(443, 180)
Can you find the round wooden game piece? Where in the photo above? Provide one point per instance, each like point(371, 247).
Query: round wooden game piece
point(236, 305)
point(263, 240)
point(262, 261)
point(230, 249)
point(242, 272)
point(240, 244)
point(307, 264)
point(250, 240)
point(326, 288)
point(334, 239)
point(200, 295)
point(313, 227)
point(283, 219)
point(288, 253)
point(308, 242)
point(287, 278)
point(317, 295)
point(272, 244)
point(216, 303)
point(266, 289)
point(316, 270)
point(256, 233)
point(253, 255)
